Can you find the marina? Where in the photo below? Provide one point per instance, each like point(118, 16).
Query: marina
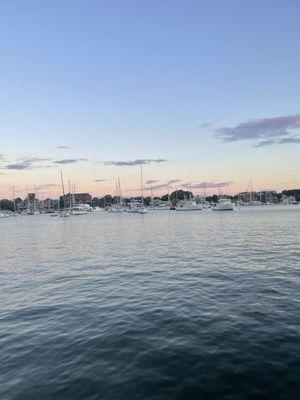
point(149, 200)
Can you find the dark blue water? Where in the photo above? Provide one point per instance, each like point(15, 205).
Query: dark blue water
point(200, 305)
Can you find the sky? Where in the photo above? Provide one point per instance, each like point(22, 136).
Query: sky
point(201, 93)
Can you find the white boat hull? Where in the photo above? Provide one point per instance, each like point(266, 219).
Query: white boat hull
point(223, 208)
point(188, 208)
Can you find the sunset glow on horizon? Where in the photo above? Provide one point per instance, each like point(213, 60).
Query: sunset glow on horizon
point(201, 99)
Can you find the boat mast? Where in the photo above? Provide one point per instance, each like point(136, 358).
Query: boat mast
point(73, 195)
point(120, 195)
point(63, 188)
point(28, 202)
point(70, 195)
point(142, 193)
point(14, 201)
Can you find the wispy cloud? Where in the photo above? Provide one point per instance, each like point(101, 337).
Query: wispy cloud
point(25, 166)
point(18, 166)
point(167, 185)
point(32, 160)
point(290, 140)
point(151, 181)
point(268, 130)
point(100, 180)
point(205, 125)
point(265, 143)
point(47, 186)
point(70, 160)
point(134, 162)
point(27, 163)
point(206, 185)
point(63, 146)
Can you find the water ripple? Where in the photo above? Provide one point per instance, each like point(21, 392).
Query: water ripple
point(170, 306)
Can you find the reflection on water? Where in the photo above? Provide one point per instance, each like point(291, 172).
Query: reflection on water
point(167, 305)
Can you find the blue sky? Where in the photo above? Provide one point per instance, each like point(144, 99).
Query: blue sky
point(127, 80)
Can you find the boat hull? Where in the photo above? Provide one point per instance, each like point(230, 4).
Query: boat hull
point(188, 209)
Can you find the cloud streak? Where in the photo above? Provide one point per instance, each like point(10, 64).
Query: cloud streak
point(167, 185)
point(63, 146)
point(18, 166)
point(47, 186)
point(205, 125)
point(265, 143)
point(206, 185)
point(267, 131)
point(290, 140)
point(134, 162)
point(70, 160)
point(100, 180)
point(27, 163)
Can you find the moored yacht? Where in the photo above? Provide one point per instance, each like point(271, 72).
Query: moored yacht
point(78, 210)
point(115, 208)
point(136, 206)
point(63, 213)
point(224, 204)
point(188, 205)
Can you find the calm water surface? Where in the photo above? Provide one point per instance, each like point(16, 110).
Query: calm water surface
point(169, 305)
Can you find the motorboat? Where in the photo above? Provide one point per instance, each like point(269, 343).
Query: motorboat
point(78, 210)
point(136, 207)
point(188, 205)
point(224, 204)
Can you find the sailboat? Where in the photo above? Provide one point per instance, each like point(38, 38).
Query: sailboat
point(119, 206)
point(75, 209)
point(63, 213)
point(14, 213)
point(142, 209)
point(135, 206)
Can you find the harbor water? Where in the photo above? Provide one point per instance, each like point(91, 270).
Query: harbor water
point(167, 305)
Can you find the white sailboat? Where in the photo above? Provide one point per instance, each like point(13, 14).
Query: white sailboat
point(136, 206)
point(119, 206)
point(63, 213)
point(142, 209)
point(75, 209)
